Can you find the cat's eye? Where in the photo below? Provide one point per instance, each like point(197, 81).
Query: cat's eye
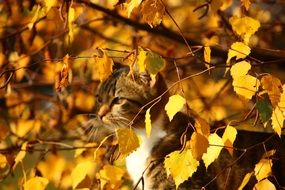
point(116, 100)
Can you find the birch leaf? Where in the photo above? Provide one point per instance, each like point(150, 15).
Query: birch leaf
point(246, 86)
point(38, 183)
point(264, 109)
point(104, 65)
point(240, 69)
point(207, 55)
point(127, 140)
point(147, 123)
point(21, 155)
point(174, 105)
point(245, 180)
point(131, 5)
point(263, 169)
point(199, 145)
point(273, 86)
point(277, 120)
point(245, 26)
point(180, 165)
point(153, 12)
point(80, 172)
point(238, 50)
point(264, 185)
point(229, 138)
point(213, 151)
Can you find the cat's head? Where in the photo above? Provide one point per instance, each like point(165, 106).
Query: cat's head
point(120, 98)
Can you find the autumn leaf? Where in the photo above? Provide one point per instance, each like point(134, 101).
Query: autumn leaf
point(35, 17)
point(111, 174)
point(277, 120)
point(149, 61)
point(245, 180)
point(147, 123)
point(199, 145)
point(246, 86)
point(174, 105)
point(21, 155)
point(264, 185)
point(202, 127)
point(104, 66)
point(81, 171)
point(245, 26)
point(182, 171)
point(229, 138)
point(127, 140)
point(216, 5)
point(262, 169)
point(216, 145)
point(238, 50)
point(71, 19)
point(152, 12)
point(84, 101)
point(49, 4)
point(264, 109)
point(131, 5)
point(207, 55)
point(38, 183)
point(240, 69)
point(273, 86)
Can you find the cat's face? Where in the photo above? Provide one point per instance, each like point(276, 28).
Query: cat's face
point(119, 99)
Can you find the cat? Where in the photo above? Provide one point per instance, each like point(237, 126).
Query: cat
point(119, 101)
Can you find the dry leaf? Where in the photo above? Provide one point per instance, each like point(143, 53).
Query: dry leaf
point(152, 12)
point(199, 145)
point(273, 86)
point(202, 127)
point(131, 5)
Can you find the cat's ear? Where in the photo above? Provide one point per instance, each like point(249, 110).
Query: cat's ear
point(148, 79)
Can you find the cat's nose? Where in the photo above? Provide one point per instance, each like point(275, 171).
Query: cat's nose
point(104, 109)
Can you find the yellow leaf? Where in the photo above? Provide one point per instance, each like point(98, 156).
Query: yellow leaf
point(245, 180)
point(149, 61)
point(238, 50)
point(104, 66)
point(111, 174)
point(127, 140)
point(199, 145)
point(240, 69)
point(152, 11)
point(246, 4)
point(82, 170)
point(229, 137)
point(207, 55)
point(246, 86)
point(174, 105)
point(202, 127)
point(35, 17)
point(264, 185)
point(263, 169)
point(180, 165)
point(273, 86)
point(22, 127)
point(21, 155)
point(213, 151)
point(58, 163)
point(37, 183)
point(147, 123)
point(245, 26)
point(71, 18)
point(277, 120)
point(131, 5)
point(3, 161)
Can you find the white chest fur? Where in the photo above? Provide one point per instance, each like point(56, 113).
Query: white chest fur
point(136, 162)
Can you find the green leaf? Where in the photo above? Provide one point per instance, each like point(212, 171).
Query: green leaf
point(264, 109)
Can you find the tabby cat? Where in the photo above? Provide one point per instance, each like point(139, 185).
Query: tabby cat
point(119, 100)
